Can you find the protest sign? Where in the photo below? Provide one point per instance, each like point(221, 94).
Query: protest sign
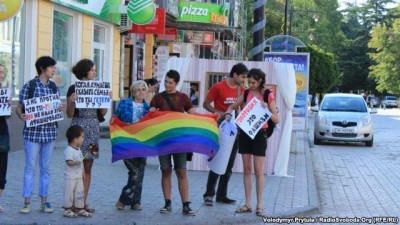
point(92, 94)
point(42, 110)
point(253, 117)
point(5, 108)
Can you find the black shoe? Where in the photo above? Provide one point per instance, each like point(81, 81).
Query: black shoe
point(226, 200)
point(167, 207)
point(208, 201)
point(187, 210)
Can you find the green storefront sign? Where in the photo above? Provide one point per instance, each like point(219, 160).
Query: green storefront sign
point(107, 10)
point(203, 13)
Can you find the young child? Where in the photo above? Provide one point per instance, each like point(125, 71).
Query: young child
point(73, 183)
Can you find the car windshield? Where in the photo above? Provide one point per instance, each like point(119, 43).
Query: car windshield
point(391, 98)
point(343, 104)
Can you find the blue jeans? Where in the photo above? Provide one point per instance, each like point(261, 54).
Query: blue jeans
point(33, 151)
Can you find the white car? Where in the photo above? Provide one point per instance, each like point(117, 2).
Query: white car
point(343, 117)
point(389, 102)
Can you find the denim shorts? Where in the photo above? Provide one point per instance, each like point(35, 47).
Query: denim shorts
point(256, 146)
point(179, 161)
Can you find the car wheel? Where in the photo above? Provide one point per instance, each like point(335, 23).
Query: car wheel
point(316, 140)
point(370, 143)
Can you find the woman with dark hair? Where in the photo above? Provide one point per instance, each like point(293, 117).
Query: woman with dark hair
point(172, 100)
point(253, 150)
point(85, 70)
point(152, 84)
point(38, 140)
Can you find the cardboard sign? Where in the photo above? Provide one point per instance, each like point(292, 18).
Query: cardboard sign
point(253, 117)
point(5, 107)
point(42, 110)
point(92, 95)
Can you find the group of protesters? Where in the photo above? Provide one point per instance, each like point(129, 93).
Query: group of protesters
point(83, 138)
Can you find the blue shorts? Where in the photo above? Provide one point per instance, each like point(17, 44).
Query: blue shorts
point(179, 161)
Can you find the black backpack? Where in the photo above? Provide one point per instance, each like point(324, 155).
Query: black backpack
point(271, 124)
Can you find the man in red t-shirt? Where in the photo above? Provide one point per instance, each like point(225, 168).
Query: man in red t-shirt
point(223, 94)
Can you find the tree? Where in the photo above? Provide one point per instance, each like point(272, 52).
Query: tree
point(386, 71)
point(324, 71)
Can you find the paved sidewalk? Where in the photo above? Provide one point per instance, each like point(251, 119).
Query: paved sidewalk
point(284, 196)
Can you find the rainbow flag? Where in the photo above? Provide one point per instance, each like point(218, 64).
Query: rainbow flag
point(161, 133)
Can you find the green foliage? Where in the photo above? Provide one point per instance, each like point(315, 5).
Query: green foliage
point(324, 71)
point(386, 43)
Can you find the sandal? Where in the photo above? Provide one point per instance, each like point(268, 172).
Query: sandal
point(260, 212)
point(244, 209)
point(84, 213)
point(69, 213)
point(88, 209)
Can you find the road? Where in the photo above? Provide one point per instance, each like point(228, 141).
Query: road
point(358, 181)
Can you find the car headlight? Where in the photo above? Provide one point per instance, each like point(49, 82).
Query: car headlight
point(367, 120)
point(322, 119)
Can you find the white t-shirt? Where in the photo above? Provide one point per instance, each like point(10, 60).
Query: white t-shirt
point(74, 155)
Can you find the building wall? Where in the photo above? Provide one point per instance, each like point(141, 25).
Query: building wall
point(44, 41)
point(44, 28)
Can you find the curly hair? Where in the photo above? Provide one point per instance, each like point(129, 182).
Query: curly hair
point(82, 68)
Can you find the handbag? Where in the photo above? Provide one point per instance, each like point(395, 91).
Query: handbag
point(189, 155)
point(100, 116)
point(4, 143)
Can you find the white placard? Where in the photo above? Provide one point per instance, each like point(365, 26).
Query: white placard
point(253, 117)
point(42, 110)
point(92, 95)
point(5, 107)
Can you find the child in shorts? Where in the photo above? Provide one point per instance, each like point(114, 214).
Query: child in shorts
point(73, 184)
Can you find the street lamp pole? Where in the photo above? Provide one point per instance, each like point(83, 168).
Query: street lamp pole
point(285, 23)
point(258, 30)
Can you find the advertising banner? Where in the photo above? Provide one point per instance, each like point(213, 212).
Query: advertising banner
point(301, 64)
point(197, 37)
point(156, 26)
point(199, 12)
point(253, 117)
point(107, 10)
point(5, 108)
point(42, 110)
point(92, 94)
point(8, 9)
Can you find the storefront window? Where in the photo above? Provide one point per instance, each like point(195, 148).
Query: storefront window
point(62, 50)
point(99, 46)
point(12, 51)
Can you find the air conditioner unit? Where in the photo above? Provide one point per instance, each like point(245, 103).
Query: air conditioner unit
point(125, 23)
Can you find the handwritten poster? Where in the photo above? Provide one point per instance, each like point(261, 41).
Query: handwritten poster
point(92, 94)
point(5, 108)
point(42, 110)
point(253, 117)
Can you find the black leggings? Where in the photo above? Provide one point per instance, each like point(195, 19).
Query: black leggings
point(3, 169)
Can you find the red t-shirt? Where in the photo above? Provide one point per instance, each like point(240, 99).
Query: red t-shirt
point(180, 101)
point(222, 95)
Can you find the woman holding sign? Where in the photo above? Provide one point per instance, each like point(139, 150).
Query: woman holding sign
point(39, 140)
point(88, 119)
point(253, 150)
point(4, 140)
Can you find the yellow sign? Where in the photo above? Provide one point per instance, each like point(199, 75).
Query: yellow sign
point(9, 8)
point(301, 82)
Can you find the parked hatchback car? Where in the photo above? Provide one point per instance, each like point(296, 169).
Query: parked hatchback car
point(343, 117)
point(389, 102)
point(372, 101)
